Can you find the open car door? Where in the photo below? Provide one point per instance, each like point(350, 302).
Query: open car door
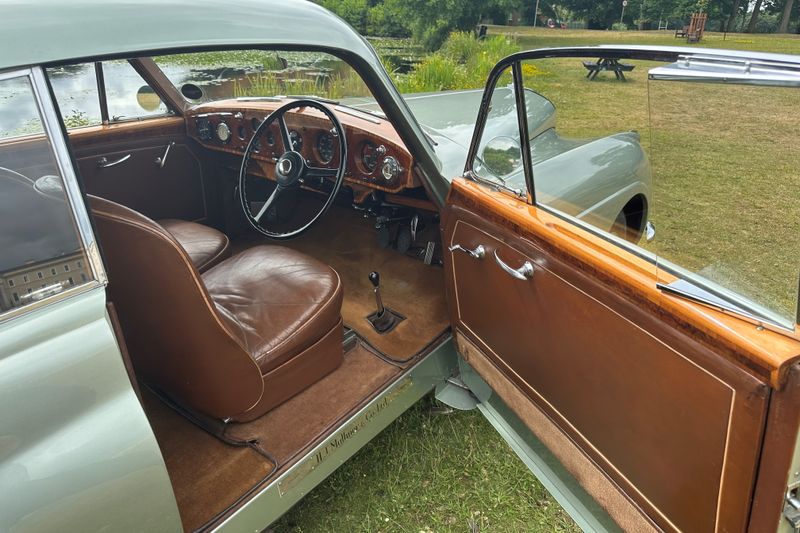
point(668, 392)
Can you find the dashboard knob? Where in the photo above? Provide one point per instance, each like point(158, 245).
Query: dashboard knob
point(381, 150)
point(390, 168)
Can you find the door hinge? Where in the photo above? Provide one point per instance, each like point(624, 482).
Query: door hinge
point(791, 506)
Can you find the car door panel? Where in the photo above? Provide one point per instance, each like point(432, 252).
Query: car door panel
point(673, 423)
point(175, 190)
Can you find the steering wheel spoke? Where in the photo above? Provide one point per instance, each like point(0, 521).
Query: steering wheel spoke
point(286, 136)
point(270, 202)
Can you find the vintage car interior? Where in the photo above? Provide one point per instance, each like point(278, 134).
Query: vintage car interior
point(246, 350)
point(276, 262)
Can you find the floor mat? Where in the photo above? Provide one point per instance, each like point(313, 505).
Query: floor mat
point(295, 424)
point(347, 241)
point(207, 474)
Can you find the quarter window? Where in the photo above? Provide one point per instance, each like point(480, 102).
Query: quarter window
point(127, 95)
point(38, 231)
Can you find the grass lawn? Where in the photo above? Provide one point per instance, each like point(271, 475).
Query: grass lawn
point(721, 204)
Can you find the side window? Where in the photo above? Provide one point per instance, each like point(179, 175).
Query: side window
point(499, 155)
point(75, 87)
point(42, 253)
point(700, 178)
point(127, 95)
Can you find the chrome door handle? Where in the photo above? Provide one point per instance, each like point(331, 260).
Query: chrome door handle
point(104, 163)
point(42, 293)
point(524, 272)
point(478, 253)
point(161, 161)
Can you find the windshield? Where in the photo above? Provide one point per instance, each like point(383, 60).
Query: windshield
point(261, 73)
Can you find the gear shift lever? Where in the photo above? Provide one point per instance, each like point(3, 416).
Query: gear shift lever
point(375, 279)
point(383, 320)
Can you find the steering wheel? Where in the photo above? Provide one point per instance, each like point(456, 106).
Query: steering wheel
point(291, 170)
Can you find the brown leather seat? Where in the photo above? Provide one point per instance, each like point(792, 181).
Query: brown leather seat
point(250, 333)
point(206, 246)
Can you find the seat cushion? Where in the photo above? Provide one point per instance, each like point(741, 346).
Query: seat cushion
point(206, 246)
point(277, 301)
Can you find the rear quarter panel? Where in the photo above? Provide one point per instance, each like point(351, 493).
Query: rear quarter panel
point(76, 451)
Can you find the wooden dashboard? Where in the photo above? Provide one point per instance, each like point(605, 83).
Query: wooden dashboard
point(372, 142)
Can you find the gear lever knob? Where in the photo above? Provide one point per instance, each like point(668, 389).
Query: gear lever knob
point(375, 279)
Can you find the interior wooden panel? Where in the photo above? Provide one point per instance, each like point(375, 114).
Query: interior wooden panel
point(675, 424)
point(175, 191)
point(308, 123)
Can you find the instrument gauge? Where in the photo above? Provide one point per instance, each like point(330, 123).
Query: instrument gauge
point(297, 140)
point(204, 130)
point(325, 147)
point(369, 157)
point(390, 168)
point(223, 132)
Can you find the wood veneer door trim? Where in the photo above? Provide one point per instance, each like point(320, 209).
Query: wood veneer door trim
point(746, 412)
point(765, 354)
point(777, 455)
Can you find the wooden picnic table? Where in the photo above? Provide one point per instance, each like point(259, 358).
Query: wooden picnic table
point(608, 64)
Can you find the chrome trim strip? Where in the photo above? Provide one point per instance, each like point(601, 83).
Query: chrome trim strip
point(44, 302)
point(54, 131)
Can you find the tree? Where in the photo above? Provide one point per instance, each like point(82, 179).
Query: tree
point(732, 18)
point(787, 14)
point(751, 27)
point(599, 15)
point(431, 21)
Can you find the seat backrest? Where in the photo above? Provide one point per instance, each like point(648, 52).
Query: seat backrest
point(176, 338)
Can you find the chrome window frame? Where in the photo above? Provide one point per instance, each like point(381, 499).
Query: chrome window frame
point(52, 126)
point(753, 312)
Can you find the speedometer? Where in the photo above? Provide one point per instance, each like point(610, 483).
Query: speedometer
point(369, 156)
point(325, 147)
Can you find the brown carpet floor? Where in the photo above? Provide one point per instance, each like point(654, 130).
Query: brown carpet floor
point(347, 241)
point(296, 424)
point(207, 475)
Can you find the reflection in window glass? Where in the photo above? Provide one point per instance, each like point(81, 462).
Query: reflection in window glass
point(588, 141)
point(726, 179)
point(128, 95)
point(499, 156)
point(18, 112)
point(260, 73)
point(75, 87)
point(38, 235)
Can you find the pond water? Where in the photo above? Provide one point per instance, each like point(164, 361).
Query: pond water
point(220, 75)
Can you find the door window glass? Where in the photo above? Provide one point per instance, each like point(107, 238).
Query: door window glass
point(727, 193)
point(589, 141)
point(42, 254)
point(699, 178)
